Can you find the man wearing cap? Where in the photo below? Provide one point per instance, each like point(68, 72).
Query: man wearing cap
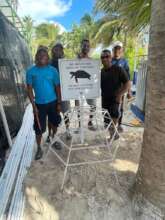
point(57, 53)
point(122, 62)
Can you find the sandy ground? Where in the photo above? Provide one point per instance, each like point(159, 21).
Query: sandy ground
point(90, 192)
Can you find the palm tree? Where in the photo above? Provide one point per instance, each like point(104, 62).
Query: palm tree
point(121, 16)
point(71, 40)
point(88, 25)
point(28, 28)
point(136, 13)
point(87, 20)
point(46, 34)
point(107, 28)
point(110, 24)
point(150, 184)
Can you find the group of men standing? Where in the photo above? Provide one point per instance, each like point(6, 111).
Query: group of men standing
point(43, 86)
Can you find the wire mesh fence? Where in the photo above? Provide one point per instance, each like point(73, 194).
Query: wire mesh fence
point(14, 60)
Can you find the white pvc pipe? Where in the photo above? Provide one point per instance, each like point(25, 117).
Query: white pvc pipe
point(5, 124)
point(8, 176)
point(17, 203)
point(81, 100)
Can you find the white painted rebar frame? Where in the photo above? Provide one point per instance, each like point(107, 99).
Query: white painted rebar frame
point(15, 170)
point(5, 124)
point(99, 115)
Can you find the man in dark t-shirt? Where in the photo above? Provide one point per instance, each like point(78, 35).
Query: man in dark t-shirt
point(114, 83)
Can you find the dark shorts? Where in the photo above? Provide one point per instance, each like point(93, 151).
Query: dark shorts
point(44, 111)
point(113, 108)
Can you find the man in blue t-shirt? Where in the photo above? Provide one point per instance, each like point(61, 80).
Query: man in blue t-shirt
point(43, 80)
point(118, 60)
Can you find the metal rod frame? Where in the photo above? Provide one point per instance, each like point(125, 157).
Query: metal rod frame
point(100, 113)
point(5, 124)
point(13, 17)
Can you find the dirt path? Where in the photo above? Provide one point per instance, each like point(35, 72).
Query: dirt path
point(90, 192)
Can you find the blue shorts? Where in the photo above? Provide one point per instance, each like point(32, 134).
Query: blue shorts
point(44, 111)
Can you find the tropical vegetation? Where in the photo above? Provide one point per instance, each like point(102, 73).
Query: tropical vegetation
point(112, 20)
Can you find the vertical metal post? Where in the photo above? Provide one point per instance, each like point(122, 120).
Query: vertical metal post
point(5, 124)
point(81, 101)
point(136, 58)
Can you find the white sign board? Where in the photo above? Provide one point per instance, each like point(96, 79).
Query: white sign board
point(80, 76)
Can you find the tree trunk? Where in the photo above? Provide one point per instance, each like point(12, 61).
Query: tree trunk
point(150, 184)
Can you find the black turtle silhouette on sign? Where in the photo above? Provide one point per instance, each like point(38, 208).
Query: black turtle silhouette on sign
point(80, 74)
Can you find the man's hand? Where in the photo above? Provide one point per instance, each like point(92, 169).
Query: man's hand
point(129, 95)
point(58, 108)
point(36, 116)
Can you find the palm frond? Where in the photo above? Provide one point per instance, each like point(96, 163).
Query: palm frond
point(135, 14)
